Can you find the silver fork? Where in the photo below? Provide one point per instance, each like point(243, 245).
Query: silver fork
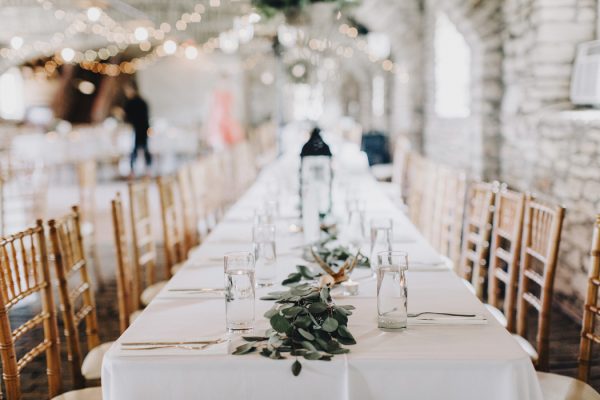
point(441, 313)
point(170, 346)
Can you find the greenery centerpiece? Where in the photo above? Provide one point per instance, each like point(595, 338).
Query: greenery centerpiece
point(305, 322)
point(338, 260)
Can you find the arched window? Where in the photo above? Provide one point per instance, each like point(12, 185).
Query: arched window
point(452, 70)
point(12, 96)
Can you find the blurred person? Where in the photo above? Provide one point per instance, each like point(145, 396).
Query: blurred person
point(136, 114)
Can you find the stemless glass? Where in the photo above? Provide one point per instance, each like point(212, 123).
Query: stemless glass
point(355, 228)
point(239, 291)
point(381, 239)
point(265, 255)
point(391, 290)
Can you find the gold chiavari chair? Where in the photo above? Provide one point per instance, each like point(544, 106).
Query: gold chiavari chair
point(25, 273)
point(449, 214)
point(416, 186)
point(477, 229)
point(539, 252)
point(557, 387)
point(144, 283)
point(198, 172)
point(87, 179)
point(173, 233)
point(188, 209)
point(215, 197)
point(124, 270)
point(76, 297)
point(504, 256)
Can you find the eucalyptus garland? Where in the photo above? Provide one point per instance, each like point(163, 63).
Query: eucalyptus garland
point(305, 322)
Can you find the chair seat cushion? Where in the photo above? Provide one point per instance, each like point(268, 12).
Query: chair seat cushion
point(558, 387)
point(134, 315)
point(526, 346)
point(151, 291)
point(94, 393)
point(92, 363)
point(175, 268)
point(497, 314)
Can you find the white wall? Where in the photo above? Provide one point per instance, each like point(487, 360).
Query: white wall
point(180, 90)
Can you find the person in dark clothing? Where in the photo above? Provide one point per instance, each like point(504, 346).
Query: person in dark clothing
point(136, 113)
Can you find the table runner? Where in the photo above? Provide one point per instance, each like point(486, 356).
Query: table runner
point(423, 362)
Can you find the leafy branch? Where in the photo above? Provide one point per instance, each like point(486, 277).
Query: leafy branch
point(304, 323)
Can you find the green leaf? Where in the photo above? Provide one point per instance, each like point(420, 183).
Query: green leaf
point(312, 355)
point(275, 341)
point(271, 312)
point(325, 357)
point(296, 368)
point(254, 338)
point(265, 352)
point(344, 332)
point(308, 346)
point(292, 278)
point(346, 341)
point(306, 334)
point(303, 321)
point(305, 271)
point(280, 323)
point(340, 317)
point(324, 294)
point(292, 311)
point(330, 324)
point(244, 349)
point(321, 343)
point(317, 308)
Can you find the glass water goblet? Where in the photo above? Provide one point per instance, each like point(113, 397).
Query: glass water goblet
point(239, 291)
point(392, 311)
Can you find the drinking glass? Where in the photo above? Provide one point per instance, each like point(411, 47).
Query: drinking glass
point(355, 227)
point(263, 215)
point(265, 255)
point(239, 291)
point(391, 290)
point(381, 239)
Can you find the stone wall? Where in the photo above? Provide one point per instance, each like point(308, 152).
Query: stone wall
point(547, 149)
point(523, 130)
point(470, 143)
point(559, 162)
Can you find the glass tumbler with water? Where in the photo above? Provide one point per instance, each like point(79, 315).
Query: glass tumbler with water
point(265, 254)
point(381, 239)
point(391, 290)
point(239, 291)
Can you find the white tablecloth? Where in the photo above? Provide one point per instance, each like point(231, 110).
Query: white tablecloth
point(423, 362)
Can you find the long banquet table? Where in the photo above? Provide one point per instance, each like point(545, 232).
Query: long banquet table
point(449, 361)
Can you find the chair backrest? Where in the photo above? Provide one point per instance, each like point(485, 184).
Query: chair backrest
point(188, 208)
point(198, 173)
point(74, 287)
point(415, 185)
point(591, 309)
point(25, 273)
point(477, 228)
point(124, 271)
point(505, 252)
point(425, 220)
point(173, 235)
point(400, 161)
point(143, 240)
point(539, 252)
point(86, 174)
point(24, 192)
point(449, 214)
